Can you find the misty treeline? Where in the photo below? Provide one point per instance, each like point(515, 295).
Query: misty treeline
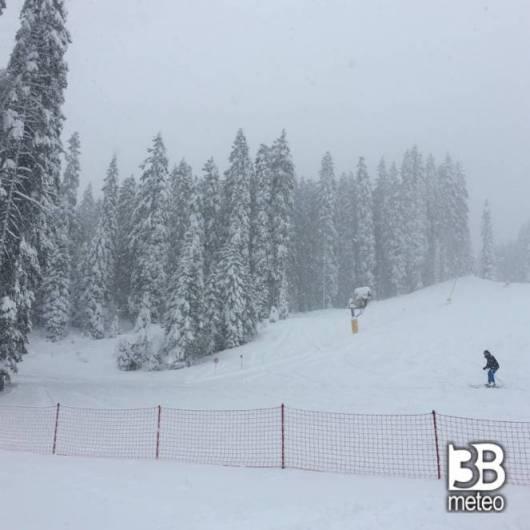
point(204, 257)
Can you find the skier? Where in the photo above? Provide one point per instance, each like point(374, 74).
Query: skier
point(492, 366)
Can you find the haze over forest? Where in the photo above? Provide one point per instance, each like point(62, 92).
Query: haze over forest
point(449, 77)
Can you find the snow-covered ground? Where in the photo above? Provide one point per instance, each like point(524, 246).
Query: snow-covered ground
point(413, 353)
point(95, 494)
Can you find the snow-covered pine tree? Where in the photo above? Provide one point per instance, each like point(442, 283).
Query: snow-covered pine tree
point(87, 219)
point(346, 223)
point(213, 307)
point(365, 238)
point(233, 289)
point(27, 276)
point(281, 212)
point(396, 237)
point(2, 6)
point(261, 232)
point(413, 209)
point(487, 254)
point(100, 290)
point(87, 214)
point(95, 285)
point(211, 195)
point(328, 234)
point(138, 352)
point(149, 241)
point(455, 241)
point(32, 124)
point(180, 190)
point(432, 228)
point(124, 257)
point(185, 325)
point(382, 230)
point(70, 187)
point(211, 208)
point(56, 284)
point(237, 212)
point(462, 232)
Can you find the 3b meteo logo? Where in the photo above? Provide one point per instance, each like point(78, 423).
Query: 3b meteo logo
point(473, 470)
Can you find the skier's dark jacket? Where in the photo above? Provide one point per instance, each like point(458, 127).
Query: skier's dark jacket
point(491, 362)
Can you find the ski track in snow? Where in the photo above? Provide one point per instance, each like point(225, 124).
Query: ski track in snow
point(412, 354)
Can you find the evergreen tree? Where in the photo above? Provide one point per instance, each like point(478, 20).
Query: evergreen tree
point(413, 210)
point(70, 186)
point(328, 234)
point(185, 338)
point(346, 223)
point(180, 190)
point(87, 220)
point(395, 236)
point(87, 214)
point(30, 150)
point(124, 256)
point(261, 233)
point(56, 285)
point(149, 241)
point(100, 290)
point(211, 208)
point(2, 6)
point(365, 239)
point(27, 275)
point(95, 285)
point(487, 255)
point(433, 220)
point(281, 212)
point(455, 241)
point(233, 286)
point(306, 272)
point(237, 212)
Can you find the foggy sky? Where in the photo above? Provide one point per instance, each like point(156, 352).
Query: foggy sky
point(355, 77)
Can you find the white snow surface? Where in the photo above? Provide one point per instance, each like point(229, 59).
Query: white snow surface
point(100, 494)
point(413, 354)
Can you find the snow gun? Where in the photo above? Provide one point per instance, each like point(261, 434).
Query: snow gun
point(358, 302)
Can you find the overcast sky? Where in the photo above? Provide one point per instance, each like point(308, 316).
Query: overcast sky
point(355, 77)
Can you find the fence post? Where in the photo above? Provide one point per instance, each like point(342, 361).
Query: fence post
point(56, 428)
point(158, 432)
point(283, 435)
point(437, 444)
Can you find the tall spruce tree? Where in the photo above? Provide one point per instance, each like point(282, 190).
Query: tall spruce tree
point(237, 212)
point(180, 191)
point(261, 233)
point(383, 230)
point(186, 335)
point(56, 285)
point(414, 218)
point(328, 234)
point(346, 223)
point(281, 212)
point(87, 220)
point(365, 238)
point(30, 151)
point(455, 241)
point(432, 228)
point(306, 272)
point(211, 208)
point(99, 295)
point(124, 256)
point(149, 241)
point(487, 254)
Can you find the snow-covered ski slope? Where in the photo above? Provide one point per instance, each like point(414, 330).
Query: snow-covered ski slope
point(413, 353)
